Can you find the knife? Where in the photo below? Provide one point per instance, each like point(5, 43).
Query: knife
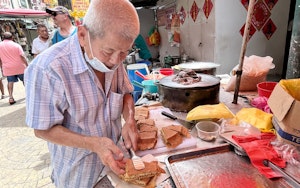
point(189, 125)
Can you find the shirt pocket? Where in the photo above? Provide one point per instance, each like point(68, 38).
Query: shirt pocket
point(116, 105)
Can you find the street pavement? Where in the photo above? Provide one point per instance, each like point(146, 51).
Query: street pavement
point(24, 159)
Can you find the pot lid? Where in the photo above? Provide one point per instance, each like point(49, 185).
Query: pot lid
point(195, 65)
point(206, 81)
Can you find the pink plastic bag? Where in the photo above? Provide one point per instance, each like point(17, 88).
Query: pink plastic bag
point(261, 103)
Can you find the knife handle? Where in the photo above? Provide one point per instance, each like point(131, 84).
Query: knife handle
point(168, 115)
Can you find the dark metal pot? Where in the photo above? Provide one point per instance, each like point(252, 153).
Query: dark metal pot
point(183, 98)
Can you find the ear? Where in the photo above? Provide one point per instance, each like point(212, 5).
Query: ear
point(82, 34)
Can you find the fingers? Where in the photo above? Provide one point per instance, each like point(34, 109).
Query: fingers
point(127, 141)
point(134, 139)
point(111, 156)
point(118, 167)
point(116, 164)
point(130, 136)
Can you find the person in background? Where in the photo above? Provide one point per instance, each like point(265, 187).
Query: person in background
point(42, 42)
point(63, 21)
point(1, 85)
point(140, 44)
point(77, 93)
point(12, 62)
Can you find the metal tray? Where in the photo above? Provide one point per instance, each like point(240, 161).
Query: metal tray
point(216, 167)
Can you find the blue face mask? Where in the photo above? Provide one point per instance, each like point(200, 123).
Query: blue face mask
point(96, 63)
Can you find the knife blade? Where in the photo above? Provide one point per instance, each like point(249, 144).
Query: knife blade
point(189, 125)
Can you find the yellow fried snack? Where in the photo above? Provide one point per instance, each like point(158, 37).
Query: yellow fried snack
point(214, 111)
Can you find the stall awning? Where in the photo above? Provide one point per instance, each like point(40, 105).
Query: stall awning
point(22, 13)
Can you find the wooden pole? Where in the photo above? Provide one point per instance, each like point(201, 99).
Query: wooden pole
point(243, 50)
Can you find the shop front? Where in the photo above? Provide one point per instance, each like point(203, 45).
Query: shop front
point(22, 24)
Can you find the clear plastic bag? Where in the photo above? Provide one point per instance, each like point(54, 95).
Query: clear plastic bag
point(255, 70)
point(288, 152)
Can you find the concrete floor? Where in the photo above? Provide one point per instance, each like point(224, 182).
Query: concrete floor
point(24, 159)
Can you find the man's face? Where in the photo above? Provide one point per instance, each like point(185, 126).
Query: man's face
point(111, 49)
point(58, 17)
point(43, 32)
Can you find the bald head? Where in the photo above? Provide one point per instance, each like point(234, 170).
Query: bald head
point(7, 35)
point(118, 16)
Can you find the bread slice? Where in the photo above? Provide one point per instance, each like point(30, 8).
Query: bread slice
point(151, 169)
point(150, 122)
point(147, 137)
point(152, 182)
point(146, 146)
point(145, 182)
point(181, 130)
point(141, 111)
point(170, 137)
point(147, 128)
point(138, 117)
point(142, 182)
point(147, 140)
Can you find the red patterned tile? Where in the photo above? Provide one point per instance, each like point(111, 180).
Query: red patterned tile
point(194, 11)
point(207, 7)
point(251, 32)
point(182, 15)
point(269, 29)
point(271, 3)
point(261, 14)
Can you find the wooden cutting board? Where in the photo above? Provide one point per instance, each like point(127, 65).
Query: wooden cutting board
point(162, 121)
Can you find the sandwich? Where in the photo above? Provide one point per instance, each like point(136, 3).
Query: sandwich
point(144, 177)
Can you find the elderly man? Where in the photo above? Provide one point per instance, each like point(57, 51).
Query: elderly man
point(12, 62)
point(77, 91)
point(42, 42)
point(62, 20)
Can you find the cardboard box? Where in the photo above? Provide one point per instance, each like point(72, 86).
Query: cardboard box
point(286, 110)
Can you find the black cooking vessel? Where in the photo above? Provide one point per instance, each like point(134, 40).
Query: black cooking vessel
point(183, 98)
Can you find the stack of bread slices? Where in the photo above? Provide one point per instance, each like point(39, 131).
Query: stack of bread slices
point(145, 177)
point(173, 135)
point(147, 129)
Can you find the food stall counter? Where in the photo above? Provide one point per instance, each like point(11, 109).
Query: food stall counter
point(210, 164)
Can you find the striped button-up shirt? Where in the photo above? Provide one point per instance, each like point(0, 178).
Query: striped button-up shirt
point(61, 89)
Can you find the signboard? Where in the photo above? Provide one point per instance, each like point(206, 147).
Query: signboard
point(80, 5)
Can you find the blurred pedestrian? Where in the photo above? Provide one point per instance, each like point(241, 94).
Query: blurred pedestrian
point(63, 21)
point(13, 62)
point(1, 85)
point(42, 42)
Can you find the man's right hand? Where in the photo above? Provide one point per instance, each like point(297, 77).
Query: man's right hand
point(106, 149)
point(108, 152)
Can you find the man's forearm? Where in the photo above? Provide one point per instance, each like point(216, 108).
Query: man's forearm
point(128, 107)
point(62, 136)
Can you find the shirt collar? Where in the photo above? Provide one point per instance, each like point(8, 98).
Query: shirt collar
point(78, 62)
